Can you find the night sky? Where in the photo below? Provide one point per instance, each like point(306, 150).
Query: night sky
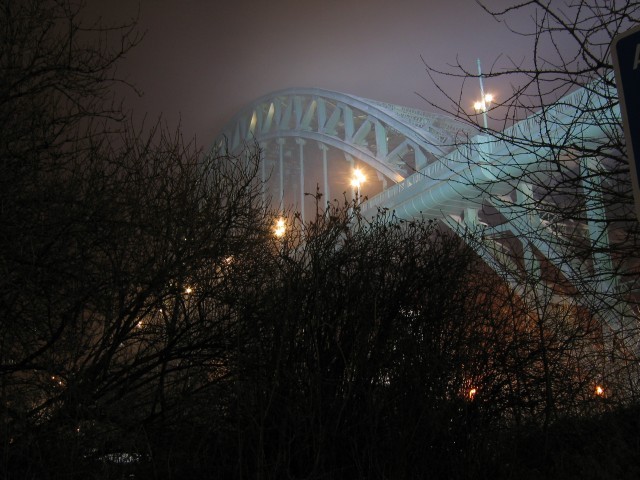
point(202, 60)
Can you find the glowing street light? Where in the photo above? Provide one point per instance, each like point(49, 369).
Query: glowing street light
point(472, 393)
point(599, 391)
point(482, 106)
point(358, 179)
point(280, 228)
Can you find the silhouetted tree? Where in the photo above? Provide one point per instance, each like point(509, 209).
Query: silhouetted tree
point(116, 297)
point(152, 324)
point(555, 208)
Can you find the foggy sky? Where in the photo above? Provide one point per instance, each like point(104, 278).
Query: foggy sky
point(202, 60)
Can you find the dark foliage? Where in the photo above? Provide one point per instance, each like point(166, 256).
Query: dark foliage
point(152, 326)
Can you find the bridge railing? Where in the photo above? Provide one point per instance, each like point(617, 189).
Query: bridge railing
point(441, 170)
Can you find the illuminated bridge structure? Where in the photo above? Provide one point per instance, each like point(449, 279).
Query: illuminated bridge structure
point(428, 165)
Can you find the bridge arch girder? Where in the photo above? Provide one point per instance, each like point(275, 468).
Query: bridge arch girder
point(393, 140)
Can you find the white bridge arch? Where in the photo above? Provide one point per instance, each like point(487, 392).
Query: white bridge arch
point(391, 141)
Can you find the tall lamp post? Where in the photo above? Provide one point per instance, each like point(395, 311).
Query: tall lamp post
point(483, 104)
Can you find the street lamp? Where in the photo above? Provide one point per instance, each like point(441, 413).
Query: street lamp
point(358, 179)
point(472, 393)
point(483, 104)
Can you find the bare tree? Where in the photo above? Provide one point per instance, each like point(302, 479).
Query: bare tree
point(555, 209)
point(118, 242)
point(149, 315)
point(385, 348)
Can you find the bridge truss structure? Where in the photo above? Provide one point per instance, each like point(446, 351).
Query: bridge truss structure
point(502, 192)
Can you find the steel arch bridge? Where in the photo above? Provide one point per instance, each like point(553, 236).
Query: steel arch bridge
point(425, 164)
point(390, 141)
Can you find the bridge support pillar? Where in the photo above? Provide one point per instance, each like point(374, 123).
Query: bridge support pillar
point(301, 144)
point(263, 172)
point(325, 172)
point(352, 163)
point(280, 143)
point(591, 181)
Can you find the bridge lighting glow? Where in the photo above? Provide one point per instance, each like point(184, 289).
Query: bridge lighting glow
point(280, 228)
point(358, 179)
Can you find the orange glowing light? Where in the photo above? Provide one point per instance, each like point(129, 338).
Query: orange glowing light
point(472, 393)
point(358, 178)
point(599, 391)
point(280, 228)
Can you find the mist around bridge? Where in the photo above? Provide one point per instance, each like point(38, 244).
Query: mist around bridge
point(199, 65)
point(467, 308)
